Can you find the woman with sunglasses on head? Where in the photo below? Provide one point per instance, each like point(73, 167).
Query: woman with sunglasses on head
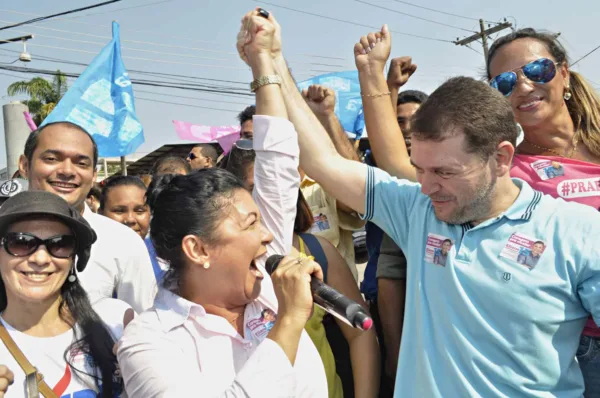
point(560, 155)
point(210, 333)
point(44, 312)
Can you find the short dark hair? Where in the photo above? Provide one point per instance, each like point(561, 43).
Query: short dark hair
point(95, 191)
point(238, 162)
point(34, 138)
point(468, 106)
point(187, 205)
point(209, 151)
point(120, 181)
point(447, 240)
point(304, 217)
point(411, 96)
point(169, 164)
point(539, 242)
point(246, 114)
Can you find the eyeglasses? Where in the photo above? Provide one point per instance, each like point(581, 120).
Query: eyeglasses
point(192, 156)
point(22, 244)
point(540, 71)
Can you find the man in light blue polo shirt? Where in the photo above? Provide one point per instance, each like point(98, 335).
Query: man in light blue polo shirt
point(479, 324)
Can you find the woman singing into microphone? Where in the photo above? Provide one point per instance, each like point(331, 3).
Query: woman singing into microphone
point(207, 334)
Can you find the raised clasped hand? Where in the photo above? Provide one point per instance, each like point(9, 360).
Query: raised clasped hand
point(258, 36)
point(373, 50)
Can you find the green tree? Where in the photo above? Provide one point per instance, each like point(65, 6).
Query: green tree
point(43, 94)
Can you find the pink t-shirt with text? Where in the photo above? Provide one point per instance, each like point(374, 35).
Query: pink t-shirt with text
point(569, 179)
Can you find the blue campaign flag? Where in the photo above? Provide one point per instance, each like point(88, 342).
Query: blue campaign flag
point(348, 107)
point(101, 102)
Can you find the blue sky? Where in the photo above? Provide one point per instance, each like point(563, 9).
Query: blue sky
point(197, 38)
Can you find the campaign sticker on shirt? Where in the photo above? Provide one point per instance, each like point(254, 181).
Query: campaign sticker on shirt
point(437, 249)
point(579, 188)
point(524, 250)
point(548, 169)
point(321, 223)
point(260, 327)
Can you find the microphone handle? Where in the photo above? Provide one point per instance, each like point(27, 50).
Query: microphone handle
point(336, 303)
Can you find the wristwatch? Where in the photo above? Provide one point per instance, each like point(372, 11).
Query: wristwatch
point(263, 81)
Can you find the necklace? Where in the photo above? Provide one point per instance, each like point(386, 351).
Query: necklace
point(570, 155)
point(236, 318)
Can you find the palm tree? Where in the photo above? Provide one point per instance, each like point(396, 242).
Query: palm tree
point(43, 95)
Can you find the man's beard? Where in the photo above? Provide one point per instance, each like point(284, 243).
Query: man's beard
point(479, 207)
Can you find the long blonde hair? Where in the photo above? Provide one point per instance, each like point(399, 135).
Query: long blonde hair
point(584, 104)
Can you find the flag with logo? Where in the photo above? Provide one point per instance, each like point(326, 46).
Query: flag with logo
point(348, 104)
point(101, 101)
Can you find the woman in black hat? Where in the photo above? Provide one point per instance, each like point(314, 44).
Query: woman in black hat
point(46, 319)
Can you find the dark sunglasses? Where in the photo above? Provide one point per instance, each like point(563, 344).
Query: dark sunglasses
point(22, 244)
point(192, 156)
point(540, 71)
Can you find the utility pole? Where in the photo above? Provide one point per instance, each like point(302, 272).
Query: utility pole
point(483, 35)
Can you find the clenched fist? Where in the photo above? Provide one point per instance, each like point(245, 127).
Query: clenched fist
point(258, 36)
point(373, 50)
point(6, 379)
point(320, 99)
point(401, 69)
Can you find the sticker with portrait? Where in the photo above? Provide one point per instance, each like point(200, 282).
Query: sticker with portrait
point(437, 249)
point(548, 169)
point(261, 326)
point(321, 223)
point(524, 250)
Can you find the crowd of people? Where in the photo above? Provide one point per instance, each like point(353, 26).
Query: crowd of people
point(482, 277)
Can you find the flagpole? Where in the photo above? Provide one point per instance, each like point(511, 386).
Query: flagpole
point(123, 166)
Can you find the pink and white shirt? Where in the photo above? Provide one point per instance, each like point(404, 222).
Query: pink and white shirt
point(569, 179)
point(176, 349)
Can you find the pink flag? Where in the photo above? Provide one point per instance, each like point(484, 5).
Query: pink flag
point(226, 136)
point(30, 121)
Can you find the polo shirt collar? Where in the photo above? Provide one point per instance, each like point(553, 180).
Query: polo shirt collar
point(526, 202)
point(521, 209)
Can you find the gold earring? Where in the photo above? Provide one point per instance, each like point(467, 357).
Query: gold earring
point(206, 265)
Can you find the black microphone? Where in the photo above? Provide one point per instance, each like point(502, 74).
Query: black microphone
point(330, 299)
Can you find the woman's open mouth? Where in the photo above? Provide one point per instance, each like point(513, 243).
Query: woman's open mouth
point(255, 270)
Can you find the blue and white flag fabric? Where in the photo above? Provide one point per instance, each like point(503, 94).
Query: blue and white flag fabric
point(101, 102)
point(348, 106)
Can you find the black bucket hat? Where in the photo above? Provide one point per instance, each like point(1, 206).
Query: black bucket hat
point(41, 203)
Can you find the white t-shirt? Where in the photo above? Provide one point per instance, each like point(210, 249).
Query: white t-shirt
point(47, 354)
point(119, 263)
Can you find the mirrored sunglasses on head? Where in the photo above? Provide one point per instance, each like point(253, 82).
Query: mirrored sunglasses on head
point(244, 144)
point(540, 71)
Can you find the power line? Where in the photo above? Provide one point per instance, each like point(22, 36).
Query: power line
point(118, 9)
point(413, 16)
point(68, 62)
point(39, 19)
point(188, 105)
point(134, 81)
point(146, 32)
point(573, 64)
point(156, 52)
point(191, 98)
point(439, 11)
point(141, 59)
point(352, 23)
